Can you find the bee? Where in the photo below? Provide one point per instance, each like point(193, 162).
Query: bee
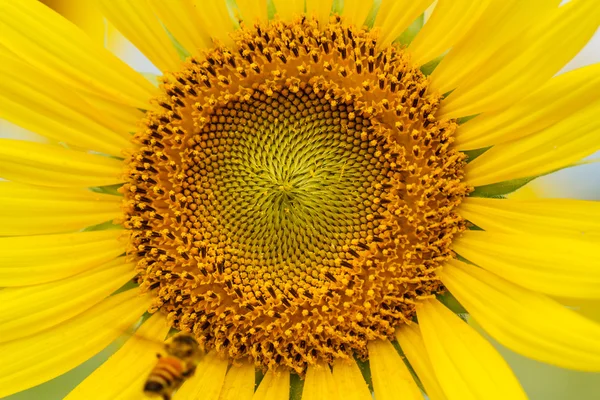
point(179, 362)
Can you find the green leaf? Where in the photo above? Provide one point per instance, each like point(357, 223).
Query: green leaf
point(501, 189)
point(181, 51)
point(337, 7)
point(411, 32)
point(258, 377)
point(365, 370)
point(407, 363)
point(370, 20)
point(103, 227)
point(450, 301)
point(128, 286)
point(234, 12)
point(296, 387)
point(462, 120)
point(473, 227)
point(428, 68)
point(111, 189)
point(271, 10)
point(473, 154)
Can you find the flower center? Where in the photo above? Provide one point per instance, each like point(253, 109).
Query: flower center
point(292, 196)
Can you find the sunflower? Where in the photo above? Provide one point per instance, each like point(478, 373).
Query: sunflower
point(313, 191)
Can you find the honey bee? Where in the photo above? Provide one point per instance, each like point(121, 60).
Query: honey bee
point(182, 354)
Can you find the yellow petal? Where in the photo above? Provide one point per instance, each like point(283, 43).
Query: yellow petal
point(38, 358)
point(84, 13)
point(557, 99)
point(526, 322)
point(450, 22)
point(122, 376)
point(554, 148)
point(350, 382)
point(55, 46)
point(49, 165)
point(207, 381)
point(410, 339)
point(320, 9)
point(252, 11)
point(215, 21)
point(394, 16)
point(135, 20)
point(556, 265)
point(288, 9)
point(319, 384)
point(274, 386)
point(32, 100)
point(526, 64)
point(466, 365)
point(34, 210)
point(181, 19)
point(30, 309)
point(550, 216)
point(355, 12)
point(502, 22)
point(391, 378)
point(124, 118)
point(119, 117)
point(31, 260)
point(239, 383)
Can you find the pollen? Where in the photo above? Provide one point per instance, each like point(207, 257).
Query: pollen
point(292, 196)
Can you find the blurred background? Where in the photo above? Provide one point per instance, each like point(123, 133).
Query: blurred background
point(541, 381)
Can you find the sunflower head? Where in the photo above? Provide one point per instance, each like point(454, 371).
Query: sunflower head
point(293, 194)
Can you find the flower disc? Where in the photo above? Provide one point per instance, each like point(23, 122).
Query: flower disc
point(293, 195)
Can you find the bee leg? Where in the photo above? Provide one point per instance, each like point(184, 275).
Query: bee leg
point(158, 355)
point(166, 397)
point(189, 372)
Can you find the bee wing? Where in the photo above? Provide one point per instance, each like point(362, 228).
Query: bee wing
point(134, 334)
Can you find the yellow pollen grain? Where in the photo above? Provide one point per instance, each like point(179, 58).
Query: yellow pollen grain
point(292, 196)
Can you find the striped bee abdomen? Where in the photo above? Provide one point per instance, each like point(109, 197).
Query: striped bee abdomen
point(165, 377)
